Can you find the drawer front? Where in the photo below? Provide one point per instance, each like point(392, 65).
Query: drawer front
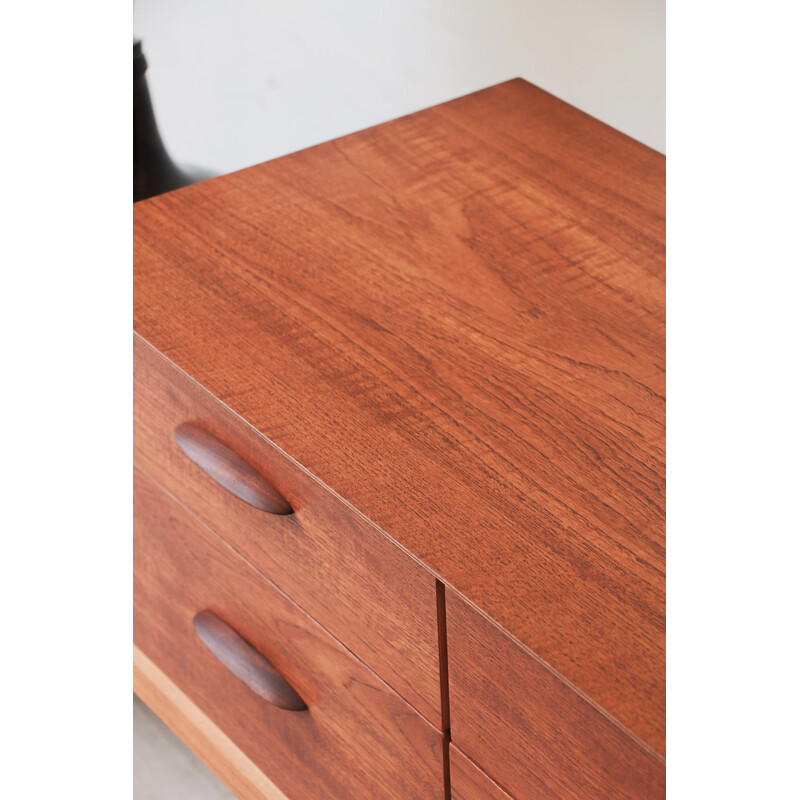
point(469, 782)
point(356, 738)
point(371, 595)
point(556, 745)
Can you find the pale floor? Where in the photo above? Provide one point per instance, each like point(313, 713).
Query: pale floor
point(163, 767)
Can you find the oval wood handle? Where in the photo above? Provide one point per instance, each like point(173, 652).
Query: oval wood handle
point(229, 470)
point(245, 662)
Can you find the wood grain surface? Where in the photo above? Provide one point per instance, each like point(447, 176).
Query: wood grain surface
point(456, 321)
point(344, 572)
point(471, 783)
point(358, 739)
point(556, 744)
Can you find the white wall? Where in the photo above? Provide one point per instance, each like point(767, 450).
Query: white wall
point(238, 82)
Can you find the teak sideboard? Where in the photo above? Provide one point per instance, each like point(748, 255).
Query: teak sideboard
point(399, 482)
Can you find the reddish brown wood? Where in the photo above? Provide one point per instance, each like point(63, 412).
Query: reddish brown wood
point(456, 321)
point(469, 782)
point(229, 470)
point(245, 662)
point(358, 738)
point(374, 598)
point(531, 731)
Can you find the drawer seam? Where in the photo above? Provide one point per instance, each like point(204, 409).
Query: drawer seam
point(264, 577)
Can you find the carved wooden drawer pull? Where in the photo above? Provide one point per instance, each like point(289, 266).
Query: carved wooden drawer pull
point(229, 470)
point(245, 662)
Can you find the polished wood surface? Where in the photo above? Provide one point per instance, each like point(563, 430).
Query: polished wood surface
point(470, 782)
point(338, 567)
point(556, 744)
point(455, 321)
point(229, 470)
point(245, 662)
point(358, 739)
point(199, 733)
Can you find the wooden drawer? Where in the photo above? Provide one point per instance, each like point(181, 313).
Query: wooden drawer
point(371, 595)
point(469, 782)
point(356, 739)
point(556, 745)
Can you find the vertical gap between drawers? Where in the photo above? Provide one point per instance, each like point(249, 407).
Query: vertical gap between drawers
point(444, 678)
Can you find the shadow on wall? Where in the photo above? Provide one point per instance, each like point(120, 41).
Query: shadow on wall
point(154, 172)
point(237, 84)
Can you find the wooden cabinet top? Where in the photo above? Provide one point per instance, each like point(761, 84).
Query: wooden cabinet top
point(455, 320)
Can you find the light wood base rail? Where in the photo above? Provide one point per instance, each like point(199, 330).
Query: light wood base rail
point(199, 733)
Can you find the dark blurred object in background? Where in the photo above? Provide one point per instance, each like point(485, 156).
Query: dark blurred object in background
point(154, 171)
